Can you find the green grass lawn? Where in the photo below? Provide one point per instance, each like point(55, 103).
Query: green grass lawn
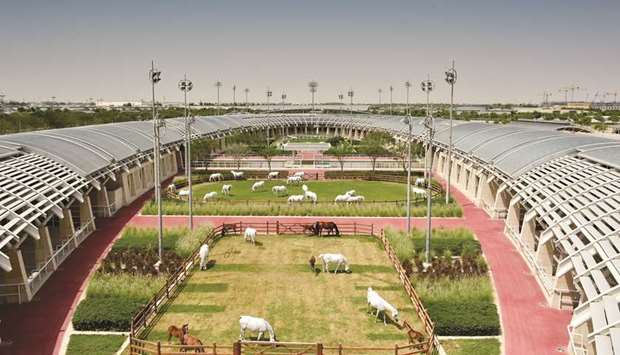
point(273, 280)
point(472, 347)
point(80, 344)
point(326, 190)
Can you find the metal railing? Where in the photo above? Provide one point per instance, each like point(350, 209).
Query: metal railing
point(14, 290)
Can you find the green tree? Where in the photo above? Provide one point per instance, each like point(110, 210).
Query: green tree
point(374, 146)
point(237, 151)
point(268, 152)
point(341, 152)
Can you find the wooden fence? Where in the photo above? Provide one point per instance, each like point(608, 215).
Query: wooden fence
point(147, 315)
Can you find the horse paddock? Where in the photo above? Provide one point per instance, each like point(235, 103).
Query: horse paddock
point(273, 280)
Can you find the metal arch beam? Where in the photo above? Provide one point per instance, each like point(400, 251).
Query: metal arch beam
point(41, 196)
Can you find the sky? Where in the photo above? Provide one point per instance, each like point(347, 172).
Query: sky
point(504, 51)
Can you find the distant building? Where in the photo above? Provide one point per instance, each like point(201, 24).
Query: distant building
point(111, 104)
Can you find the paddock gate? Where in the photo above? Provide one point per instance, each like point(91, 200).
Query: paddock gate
point(146, 317)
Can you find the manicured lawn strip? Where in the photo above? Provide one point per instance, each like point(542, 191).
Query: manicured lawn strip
point(273, 281)
point(80, 344)
point(472, 347)
point(112, 300)
point(463, 306)
point(325, 189)
point(454, 240)
point(223, 208)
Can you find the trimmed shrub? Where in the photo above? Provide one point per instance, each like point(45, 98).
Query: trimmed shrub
point(112, 300)
point(454, 240)
point(106, 313)
point(460, 307)
point(147, 238)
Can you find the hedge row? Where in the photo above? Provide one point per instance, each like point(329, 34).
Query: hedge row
point(179, 240)
point(106, 313)
point(457, 241)
point(458, 317)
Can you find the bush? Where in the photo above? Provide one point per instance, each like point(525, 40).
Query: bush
point(460, 307)
point(106, 313)
point(112, 300)
point(190, 241)
point(94, 344)
point(401, 243)
point(257, 208)
point(454, 240)
point(147, 238)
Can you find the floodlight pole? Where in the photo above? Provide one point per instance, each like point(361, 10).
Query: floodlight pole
point(186, 86)
point(450, 79)
point(427, 87)
point(391, 89)
point(409, 138)
point(269, 93)
point(350, 94)
point(155, 77)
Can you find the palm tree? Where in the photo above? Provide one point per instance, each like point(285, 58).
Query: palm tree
point(218, 85)
point(246, 91)
point(313, 85)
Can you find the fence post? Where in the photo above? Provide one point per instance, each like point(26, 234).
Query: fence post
point(158, 348)
point(339, 349)
point(167, 289)
point(372, 229)
point(354, 228)
point(319, 349)
point(395, 349)
point(278, 227)
point(214, 349)
point(267, 227)
point(237, 348)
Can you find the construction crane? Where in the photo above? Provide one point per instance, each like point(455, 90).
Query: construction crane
point(572, 89)
point(614, 94)
point(546, 96)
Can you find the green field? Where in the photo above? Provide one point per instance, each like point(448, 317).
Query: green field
point(273, 280)
point(94, 344)
point(472, 346)
point(326, 190)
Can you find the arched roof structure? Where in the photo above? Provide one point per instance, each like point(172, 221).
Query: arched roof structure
point(569, 183)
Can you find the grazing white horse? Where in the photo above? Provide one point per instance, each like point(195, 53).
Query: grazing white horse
point(172, 189)
point(301, 174)
point(338, 259)
point(350, 193)
point(216, 177)
point(293, 180)
point(377, 302)
point(278, 189)
point(342, 198)
point(209, 195)
point(309, 194)
point(356, 199)
point(273, 175)
point(419, 181)
point(255, 324)
point(258, 185)
point(226, 189)
point(296, 198)
point(237, 174)
point(418, 191)
point(183, 193)
point(204, 256)
point(250, 234)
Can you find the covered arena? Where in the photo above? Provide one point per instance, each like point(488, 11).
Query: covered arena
point(558, 192)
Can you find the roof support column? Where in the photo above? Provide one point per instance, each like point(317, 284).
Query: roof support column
point(21, 292)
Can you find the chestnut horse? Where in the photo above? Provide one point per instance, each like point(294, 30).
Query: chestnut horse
point(191, 342)
point(174, 331)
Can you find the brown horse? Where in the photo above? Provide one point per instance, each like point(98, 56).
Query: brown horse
point(228, 227)
point(309, 229)
point(174, 331)
point(330, 227)
point(191, 342)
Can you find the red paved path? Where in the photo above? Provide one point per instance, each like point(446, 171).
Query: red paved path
point(529, 326)
point(37, 328)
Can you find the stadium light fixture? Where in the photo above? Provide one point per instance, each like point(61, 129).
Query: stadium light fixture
point(218, 85)
point(350, 93)
point(186, 86)
point(451, 80)
point(155, 77)
point(313, 85)
point(427, 86)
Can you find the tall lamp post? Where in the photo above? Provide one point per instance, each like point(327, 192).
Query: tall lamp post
point(283, 98)
point(246, 91)
point(407, 86)
point(234, 95)
point(340, 97)
point(427, 87)
point(155, 77)
point(350, 93)
point(269, 94)
point(391, 89)
point(218, 85)
point(313, 85)
point(409, 123)
point(186, 86)
point(451, 80)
